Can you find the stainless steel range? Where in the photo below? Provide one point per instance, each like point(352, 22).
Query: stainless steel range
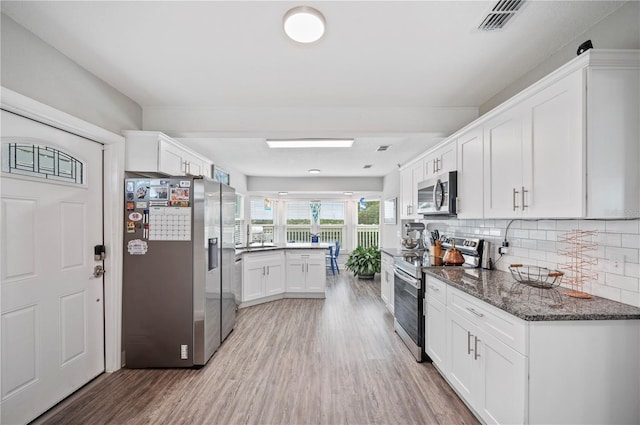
point(408, 295)
point(409, 289)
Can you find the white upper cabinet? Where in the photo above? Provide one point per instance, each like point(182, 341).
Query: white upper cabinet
point(441, 161)
point(566, 147)
point(533, 156)
point(409, 179)
point(553, 156)
point(503, 165)
point(613, 138)
point(470, 174)
point(152, 151)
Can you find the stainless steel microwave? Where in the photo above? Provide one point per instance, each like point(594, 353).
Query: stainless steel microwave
point(437, 196)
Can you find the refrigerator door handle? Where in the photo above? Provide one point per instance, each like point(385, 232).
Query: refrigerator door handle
point(213, 254)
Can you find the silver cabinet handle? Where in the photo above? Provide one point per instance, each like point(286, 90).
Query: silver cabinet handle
point(515, 195)
point(469, 350)
point(434, 288)
point(524, 205)
point(475, 312)
point(475, 349)
point(268, 267)
point(435, 166)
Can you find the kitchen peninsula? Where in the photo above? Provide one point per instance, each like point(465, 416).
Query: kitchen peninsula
point(282, 270)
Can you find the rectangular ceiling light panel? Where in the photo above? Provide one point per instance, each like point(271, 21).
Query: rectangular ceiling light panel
point(309, 143)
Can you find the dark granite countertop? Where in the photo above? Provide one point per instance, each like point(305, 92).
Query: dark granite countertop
point(497, 288)
point(394, 252)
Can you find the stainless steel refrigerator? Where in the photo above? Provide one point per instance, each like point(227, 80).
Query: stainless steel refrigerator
point(178, 300)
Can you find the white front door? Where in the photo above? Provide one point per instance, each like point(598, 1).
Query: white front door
point(52, 333)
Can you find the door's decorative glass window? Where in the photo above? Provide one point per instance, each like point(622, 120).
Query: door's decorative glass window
point(41, 161)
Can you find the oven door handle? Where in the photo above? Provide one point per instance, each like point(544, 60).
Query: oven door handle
point(406, 278)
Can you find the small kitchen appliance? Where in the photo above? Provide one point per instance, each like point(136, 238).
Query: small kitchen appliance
point(413, 236)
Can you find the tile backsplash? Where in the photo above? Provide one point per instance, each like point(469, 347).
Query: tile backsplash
point(535, 242)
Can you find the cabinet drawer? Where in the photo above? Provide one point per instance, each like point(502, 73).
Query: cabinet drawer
point(436, 290)
point(253, 257)
point(508, 329)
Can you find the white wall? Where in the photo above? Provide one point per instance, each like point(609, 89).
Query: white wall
point(536, 243)
point(389, 238)
point(33, 68)
point(620, 30)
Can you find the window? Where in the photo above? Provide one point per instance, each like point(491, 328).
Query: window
point(262, 215)
point(332, 213)
point(41, 161)
point(332, 221)
point(298, 213)
point(238, 233)
point(298, 221)
point(368, 229)
point(371, 213)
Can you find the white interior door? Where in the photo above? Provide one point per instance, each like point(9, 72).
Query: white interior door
point(52, 333)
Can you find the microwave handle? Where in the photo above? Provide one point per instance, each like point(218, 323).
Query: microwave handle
point(437, 186)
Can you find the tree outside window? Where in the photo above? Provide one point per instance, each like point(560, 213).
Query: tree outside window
point(368, 230)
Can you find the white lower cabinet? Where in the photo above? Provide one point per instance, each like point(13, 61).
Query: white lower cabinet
point(262, 275)
point(386, 281)
point(306, 272)
point(267, 276)
point(502, 381)
point(436, 322)
point(463, 369)
point(511, 371)
point(488, 374)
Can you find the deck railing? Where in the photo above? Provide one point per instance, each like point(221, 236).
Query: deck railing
point(368, 235)
point(329, 233)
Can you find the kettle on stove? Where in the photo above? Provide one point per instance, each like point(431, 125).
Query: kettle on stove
point(453, 256)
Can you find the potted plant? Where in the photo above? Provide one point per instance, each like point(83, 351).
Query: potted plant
point(364, 263)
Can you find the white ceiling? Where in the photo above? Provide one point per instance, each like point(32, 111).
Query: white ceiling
point(234, 54)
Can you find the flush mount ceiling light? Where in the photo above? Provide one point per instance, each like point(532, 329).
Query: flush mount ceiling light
point(283, 193)
point(309, 143)
point(347, 193)
point(304, 24)
point(314, 171)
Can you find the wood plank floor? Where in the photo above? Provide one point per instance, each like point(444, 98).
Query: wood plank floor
point(332, 361)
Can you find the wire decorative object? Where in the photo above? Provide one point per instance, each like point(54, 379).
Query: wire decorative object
point(534, 280)
point(579, 263)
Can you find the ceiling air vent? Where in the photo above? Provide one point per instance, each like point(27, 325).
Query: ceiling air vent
point(368, 166)
point(501, 13)
point(382, 148)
